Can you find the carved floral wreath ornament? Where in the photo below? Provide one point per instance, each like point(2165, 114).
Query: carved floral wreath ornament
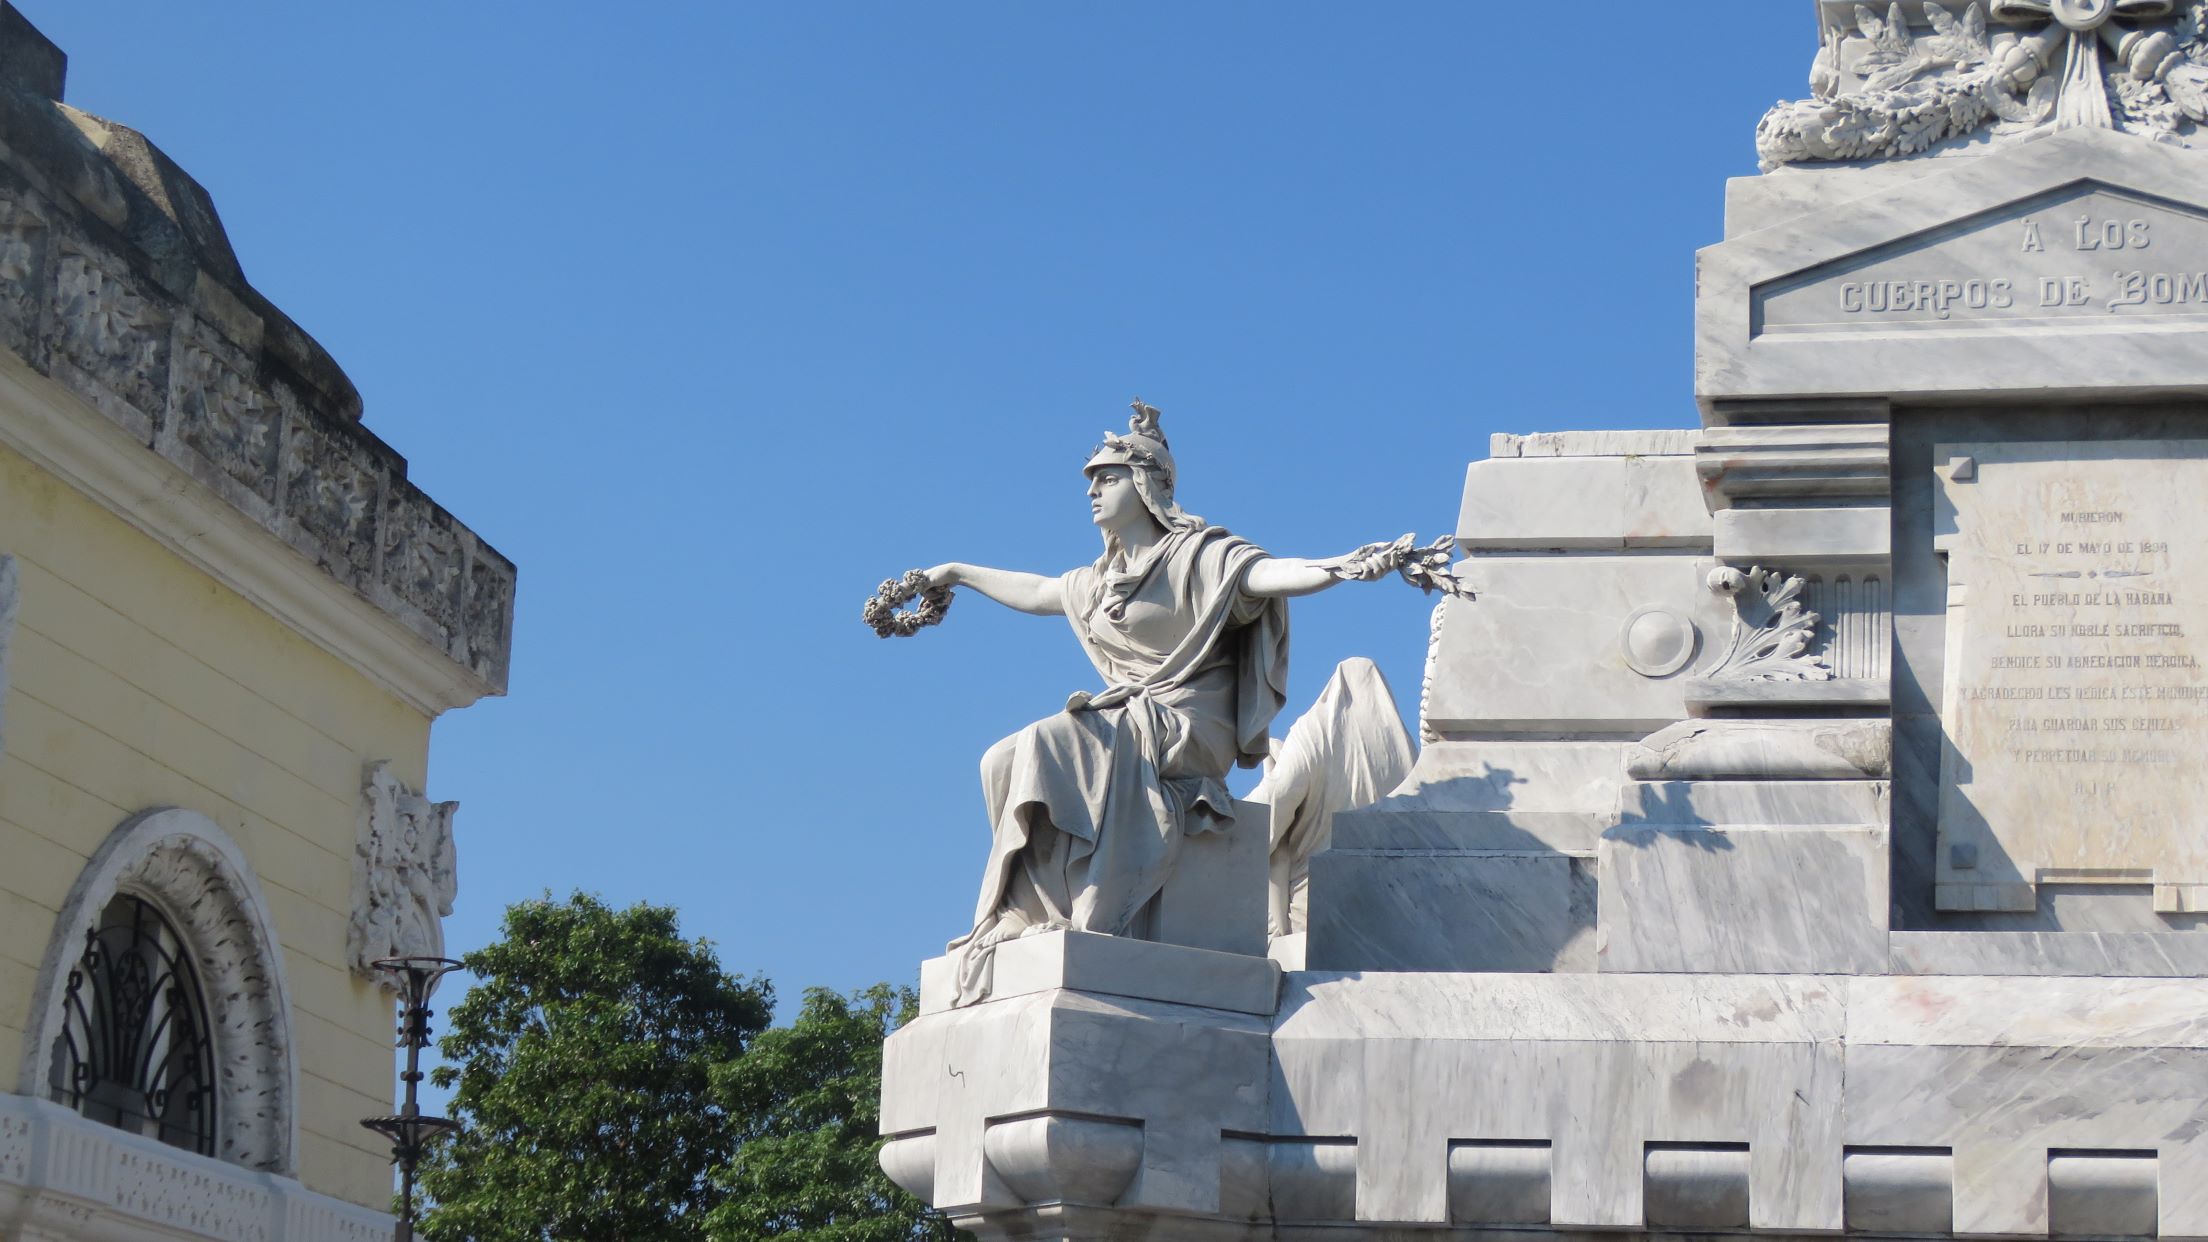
point(1881, 91)
point(881, 612)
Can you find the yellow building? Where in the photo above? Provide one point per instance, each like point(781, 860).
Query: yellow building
point(227, 622)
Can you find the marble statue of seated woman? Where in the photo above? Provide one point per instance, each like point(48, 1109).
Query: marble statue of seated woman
point(1187, 625)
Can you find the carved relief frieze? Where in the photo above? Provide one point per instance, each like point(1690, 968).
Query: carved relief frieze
point(422, 558)
point(193, 363)
point(331, 498)
point(67, 1176)
point(1884, 87)
point(405, 874)
point(488, 600)
point(155, 1188)
point(23, 249)
point(114, 338)
point(231, 421)
point(1771, 631)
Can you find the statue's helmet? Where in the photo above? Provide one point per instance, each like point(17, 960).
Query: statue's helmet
point(1143, 451)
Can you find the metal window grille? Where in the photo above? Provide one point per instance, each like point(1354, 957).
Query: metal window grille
point(135, 1050)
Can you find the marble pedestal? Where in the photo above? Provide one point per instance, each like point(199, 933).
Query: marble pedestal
point(1686, 922)
point(1129, 1089)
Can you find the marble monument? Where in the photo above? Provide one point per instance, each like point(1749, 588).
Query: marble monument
point(1807, 829)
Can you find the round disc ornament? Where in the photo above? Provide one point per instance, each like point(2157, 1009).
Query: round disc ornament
point(881, 612)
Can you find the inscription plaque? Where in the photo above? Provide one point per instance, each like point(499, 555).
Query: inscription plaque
point(2089, 254)
point(2075, 703)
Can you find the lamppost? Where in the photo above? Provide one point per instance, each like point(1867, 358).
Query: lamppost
point(410, 1131)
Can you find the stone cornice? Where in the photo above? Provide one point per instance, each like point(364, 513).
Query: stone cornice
point(145, 369)
point(63, 435)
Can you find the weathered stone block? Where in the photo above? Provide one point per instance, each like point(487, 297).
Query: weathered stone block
point(1743, 900)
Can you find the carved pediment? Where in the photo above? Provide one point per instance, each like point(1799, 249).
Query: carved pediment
point(2076, 265)
point(2090, 254)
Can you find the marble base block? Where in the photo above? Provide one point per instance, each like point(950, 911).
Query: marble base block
point(1113, 966)
point(2065, 1102)
point(1743, 900)
point(1526, 912)
point(1378, 1105)
point(1101, 1072)
point(1215, 898)
point(1546, 648)
point(1535, 1099)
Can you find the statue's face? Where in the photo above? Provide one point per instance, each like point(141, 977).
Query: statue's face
point(1113, 502)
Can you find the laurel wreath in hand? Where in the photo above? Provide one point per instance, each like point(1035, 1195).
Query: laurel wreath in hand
point(1430, 568)
point(881, 612)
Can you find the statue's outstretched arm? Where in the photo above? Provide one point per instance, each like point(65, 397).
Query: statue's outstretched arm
point(1029, 593)
point(1426, 568)
point(1282, 577)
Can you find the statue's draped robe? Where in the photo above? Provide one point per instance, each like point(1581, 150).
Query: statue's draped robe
point(1087, 808)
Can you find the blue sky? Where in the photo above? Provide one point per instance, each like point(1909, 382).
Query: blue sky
point(712, 316)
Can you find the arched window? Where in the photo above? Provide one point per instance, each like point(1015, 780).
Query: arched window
point(160, 1006)
point(135, 1049)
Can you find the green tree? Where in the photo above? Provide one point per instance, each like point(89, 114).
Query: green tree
point(806, 1099)
point(584, 1060)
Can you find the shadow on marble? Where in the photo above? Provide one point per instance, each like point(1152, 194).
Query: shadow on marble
point(1450, 876)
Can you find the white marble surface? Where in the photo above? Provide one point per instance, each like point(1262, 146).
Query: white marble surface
point(1393, 828)
point(1614, 1101)
point(1114, 966)
point(1596, 1066)
point(1482, 860)
point(1215, 897)
point(1583, 502)
point(2003, 1070)
point(1743, 900)
point(1774, 749)
point(1769, 803)
point(1799, 538)
point(1541, 650)
point(2090, 352)
point(1656, 442)
point(2123, 954)
point(2074, 674)
point(1348, 751)
point(1795, 190)
point(1797, 462)
point(1184, 1074)
point(1495, 774)
point(1504, 911)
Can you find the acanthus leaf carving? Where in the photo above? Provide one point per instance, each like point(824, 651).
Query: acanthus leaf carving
point(1771, 631)
point(405, 874)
